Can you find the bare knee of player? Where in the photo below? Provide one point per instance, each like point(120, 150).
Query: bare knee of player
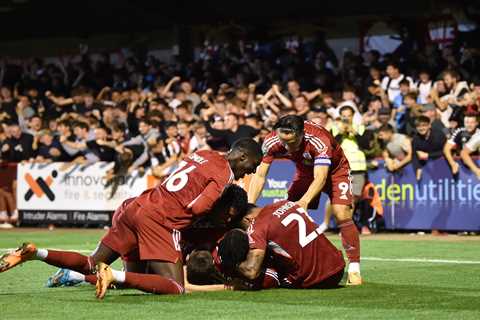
point(104, 254)
point(135, 266)
point(173, 271)
point(342, 211)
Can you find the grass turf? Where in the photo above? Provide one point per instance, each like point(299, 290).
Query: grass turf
point(393, 289)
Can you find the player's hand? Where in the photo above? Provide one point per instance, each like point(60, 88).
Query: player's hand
point(303, 204)
point(54, 152)
point(422, 155)
point(204, 98)
point(477, 173)
point(455, 168)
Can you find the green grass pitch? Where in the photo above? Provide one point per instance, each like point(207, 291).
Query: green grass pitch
point(406, 277)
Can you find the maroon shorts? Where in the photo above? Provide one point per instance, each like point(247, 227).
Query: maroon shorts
point(338, 188)
point(331, 282)
point(137, 234)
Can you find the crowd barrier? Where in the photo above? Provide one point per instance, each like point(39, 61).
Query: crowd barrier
point(50, 193)
point(78, 195)
point(438, 201)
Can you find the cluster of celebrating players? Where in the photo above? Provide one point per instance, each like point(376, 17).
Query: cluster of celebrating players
point(198, 231)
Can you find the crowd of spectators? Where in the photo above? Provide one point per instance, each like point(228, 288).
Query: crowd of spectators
point(145, 114)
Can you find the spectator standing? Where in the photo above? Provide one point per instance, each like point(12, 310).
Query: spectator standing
point(391, 82)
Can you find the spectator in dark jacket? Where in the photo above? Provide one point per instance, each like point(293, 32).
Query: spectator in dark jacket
point(19, 146)
point(427, 144)
point(233, 130)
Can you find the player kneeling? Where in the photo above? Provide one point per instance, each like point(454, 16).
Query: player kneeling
point(148, 227)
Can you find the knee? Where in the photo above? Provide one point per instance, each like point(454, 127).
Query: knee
point(342, 212)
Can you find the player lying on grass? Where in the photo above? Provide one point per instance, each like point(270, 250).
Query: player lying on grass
point(321, 166)
point(302, 255)
point(147, 228)
point(279, 237)
point(204, 273)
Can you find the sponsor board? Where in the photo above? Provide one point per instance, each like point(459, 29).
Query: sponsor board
point(52, 187)
point(438, 201)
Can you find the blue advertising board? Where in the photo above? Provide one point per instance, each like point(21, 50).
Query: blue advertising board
point(437, 201)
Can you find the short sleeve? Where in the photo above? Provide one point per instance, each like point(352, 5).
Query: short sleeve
point(268, 148)
point(257, 235)
point(474, 143)
point(321, 148)
point(456, 137)
point(384, 83)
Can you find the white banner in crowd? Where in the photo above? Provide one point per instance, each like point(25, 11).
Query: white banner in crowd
point(78, 188)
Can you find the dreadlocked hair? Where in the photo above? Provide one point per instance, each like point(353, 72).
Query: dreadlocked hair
point(233, 250)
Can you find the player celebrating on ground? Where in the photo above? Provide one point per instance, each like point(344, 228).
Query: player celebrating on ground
point(320, 166)
point(148, 227)
point(204, 233)
point(302, 255)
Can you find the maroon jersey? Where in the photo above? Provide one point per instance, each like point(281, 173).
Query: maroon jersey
point(190, 190)
point(303, 256)
point(319, 147)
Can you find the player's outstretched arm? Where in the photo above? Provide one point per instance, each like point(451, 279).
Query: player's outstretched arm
point(252, 267)
point(320, 173)
point(189, 288)
point(257, 182)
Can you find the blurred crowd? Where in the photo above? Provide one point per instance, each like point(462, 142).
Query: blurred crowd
point(405, 107)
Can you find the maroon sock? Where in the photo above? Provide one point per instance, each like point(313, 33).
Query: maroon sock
point(350, 239)
point(91, 278)
point(71, 260)
point(152, 283)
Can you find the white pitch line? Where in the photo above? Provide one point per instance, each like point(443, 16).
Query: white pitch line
point(56, 249)
point(420, 260)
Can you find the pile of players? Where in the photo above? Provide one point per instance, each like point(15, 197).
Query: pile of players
point(199, 219)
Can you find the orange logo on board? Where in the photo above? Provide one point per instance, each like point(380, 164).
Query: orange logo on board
point(39, 186)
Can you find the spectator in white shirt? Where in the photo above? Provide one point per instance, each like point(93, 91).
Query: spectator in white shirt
point(391, 82)
point(424, 86)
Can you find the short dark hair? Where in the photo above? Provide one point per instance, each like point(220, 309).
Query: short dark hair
point(233, 249)
point(411, 95)
point(146, 121)
point(169, 124)
point(393, 64)
point(65, 123)
point(155, 113)
point(248, 146)
point(233, 114)
point(81, 124)
point(119, 126)
point(386, 128)
point(201, 269)
point(292, 123)
point(452, 73)
point(404, 82)
point(422, 119)
point(347, 107)
point(183, 105)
